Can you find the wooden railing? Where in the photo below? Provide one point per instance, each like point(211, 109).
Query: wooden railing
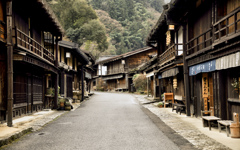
point(225, 29)
point(2, 31)
point(114, 71)
point(24, 41)
point(170, 53)
point(199, 42)
point(227, 26)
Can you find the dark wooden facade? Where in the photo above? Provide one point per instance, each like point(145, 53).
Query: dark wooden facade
point(28, 60)
point(210, 53)
point(71, 61)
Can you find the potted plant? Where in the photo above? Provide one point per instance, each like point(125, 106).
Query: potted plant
point(235, 84)
point(160, 104)
point(61, 103)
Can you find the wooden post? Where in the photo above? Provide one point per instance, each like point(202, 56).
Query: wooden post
point(154, 87)
point(56, 91)
point(185, 70)
point(126, 79)
point(31, 91)
point(147, 87)
point(9, 63)
point(160, 89)
point(56, 75)
point(82, 80)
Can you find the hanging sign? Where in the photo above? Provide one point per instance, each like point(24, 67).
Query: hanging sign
point(205, 90)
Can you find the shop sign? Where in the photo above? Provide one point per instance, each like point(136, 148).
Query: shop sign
point(203, 67)
point(205, 90)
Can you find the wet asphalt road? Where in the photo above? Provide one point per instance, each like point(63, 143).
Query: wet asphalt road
point(108, 121)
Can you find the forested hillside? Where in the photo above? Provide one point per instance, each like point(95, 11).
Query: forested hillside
point(115, 27)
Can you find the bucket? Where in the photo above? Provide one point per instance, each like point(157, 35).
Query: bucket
point(235, 130)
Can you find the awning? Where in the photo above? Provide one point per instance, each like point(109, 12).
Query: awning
point(112, 77)
point(229, 61)
point(150, 74)
point(170, 73)
point(203, 67)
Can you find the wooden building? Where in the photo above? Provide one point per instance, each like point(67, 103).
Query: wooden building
point(211, 49)
point(71, 62)
point(89, 73)
point(118, 77)
point(99, 70)
point(28, 59)
point(167, 72)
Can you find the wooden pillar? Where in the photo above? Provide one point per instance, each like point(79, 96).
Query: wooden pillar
point(82, 80)
point(31, 91)
point(9, 64)
point(56, 75)
point(185, 70)
point(147, 87)
point(126, 78)
point(56, 91)
point(160, 89)
point(154, 86)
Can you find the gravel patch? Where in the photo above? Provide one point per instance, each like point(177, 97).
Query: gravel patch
point(186, 130)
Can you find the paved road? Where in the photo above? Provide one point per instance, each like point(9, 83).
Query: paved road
point(108, 121)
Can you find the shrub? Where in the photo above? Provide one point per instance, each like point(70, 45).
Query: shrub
point(140, 82)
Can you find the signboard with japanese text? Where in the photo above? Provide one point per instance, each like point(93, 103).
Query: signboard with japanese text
point(205, 90)
point(203, 67)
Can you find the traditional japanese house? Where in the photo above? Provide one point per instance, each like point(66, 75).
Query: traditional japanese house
point(99, 71)
point(118, 68)
point(168, 71)
point(71, 62)
point(29, 62)
point(213, 56)
point(210, 31)
point(89, 73)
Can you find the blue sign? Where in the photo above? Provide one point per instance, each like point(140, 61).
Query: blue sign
point(203, 67)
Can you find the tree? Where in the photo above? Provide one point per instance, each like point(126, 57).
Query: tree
point(81, 23)
point(91, 31)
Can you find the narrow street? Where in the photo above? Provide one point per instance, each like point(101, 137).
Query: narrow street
point(106, 121)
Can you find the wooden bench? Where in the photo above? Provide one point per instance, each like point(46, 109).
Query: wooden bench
point(225, 123)
point(207, 120)
point(178, 107)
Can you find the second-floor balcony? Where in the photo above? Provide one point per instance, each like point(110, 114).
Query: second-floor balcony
point(227, 28)
point(200, 42)
point(24, 41)
point(115, 71)
point(171, 53)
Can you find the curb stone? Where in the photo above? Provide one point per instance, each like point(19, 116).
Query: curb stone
point(34, 125)
point(15, 136)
